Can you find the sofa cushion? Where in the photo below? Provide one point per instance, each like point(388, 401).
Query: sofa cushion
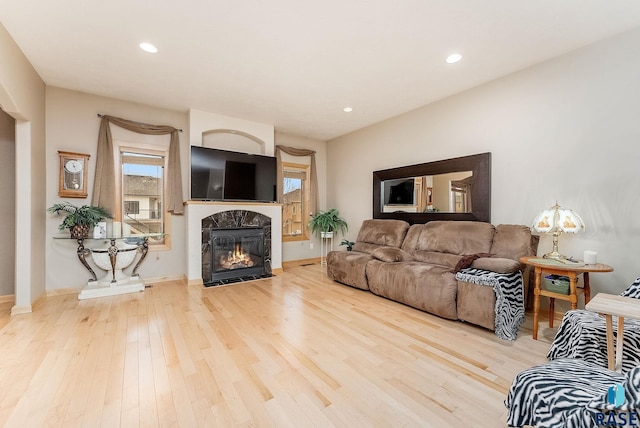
point(423, 286)
point(496, 264)
point(441, 259)
point(391, 254)
point(456, 237)
point(365, 247)
point(383, 232)
point(348, 267)
point(513, 241)
point(411, 239)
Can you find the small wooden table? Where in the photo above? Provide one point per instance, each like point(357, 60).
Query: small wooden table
point(610, 305)
point(553, 267)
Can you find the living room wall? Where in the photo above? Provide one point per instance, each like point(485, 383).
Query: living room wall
point(72, 125)
point(564, 130)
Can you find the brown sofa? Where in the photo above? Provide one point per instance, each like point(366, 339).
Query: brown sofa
point(416, 265)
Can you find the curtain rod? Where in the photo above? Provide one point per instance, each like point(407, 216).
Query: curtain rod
point(100, 115)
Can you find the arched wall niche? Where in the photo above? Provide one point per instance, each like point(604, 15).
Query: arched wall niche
point(233, 140)
point(259, 137)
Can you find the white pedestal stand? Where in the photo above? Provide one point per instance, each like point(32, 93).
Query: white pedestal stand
point(326, 245)
point(112, 260)
point(97, 289)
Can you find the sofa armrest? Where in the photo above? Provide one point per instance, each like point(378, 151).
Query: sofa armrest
point(496, 264)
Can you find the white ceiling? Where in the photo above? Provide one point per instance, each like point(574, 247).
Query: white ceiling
point(295, 63)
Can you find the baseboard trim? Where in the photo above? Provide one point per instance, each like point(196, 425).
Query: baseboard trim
point(21, 310)
point(302, 262)
point(9, 298)
point(62, 292)
point(39, 301)
point(197, 281)
point(161, 279)
point(156, 280)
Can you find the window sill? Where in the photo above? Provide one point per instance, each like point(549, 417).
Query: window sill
point(294, 238)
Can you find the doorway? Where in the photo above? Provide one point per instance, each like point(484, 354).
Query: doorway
point(7, 210)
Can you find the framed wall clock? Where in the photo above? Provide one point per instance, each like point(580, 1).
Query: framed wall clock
point(73, 174)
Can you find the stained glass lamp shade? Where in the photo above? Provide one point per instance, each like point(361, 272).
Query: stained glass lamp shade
point(557, 220)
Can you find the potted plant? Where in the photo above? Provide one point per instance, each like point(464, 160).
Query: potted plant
point(327, 222)
point(348, 243)
point(78, 219)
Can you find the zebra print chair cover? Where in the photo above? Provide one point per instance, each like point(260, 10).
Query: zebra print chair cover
point(568, 393)
point(583, 335)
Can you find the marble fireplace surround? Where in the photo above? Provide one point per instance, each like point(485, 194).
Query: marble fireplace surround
point(196, 211)
point(241, 224)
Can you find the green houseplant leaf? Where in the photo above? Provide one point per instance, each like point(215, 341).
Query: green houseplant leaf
point(86, 215)
point(348, 243)
point(327, 221)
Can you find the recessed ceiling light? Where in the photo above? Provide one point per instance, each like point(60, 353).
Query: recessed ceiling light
point(347, 109)
point(453, 58)
point(148, 47)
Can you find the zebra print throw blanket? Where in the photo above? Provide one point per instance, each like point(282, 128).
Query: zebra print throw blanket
point(509, 307)
point(583, 334)
point(569, 393)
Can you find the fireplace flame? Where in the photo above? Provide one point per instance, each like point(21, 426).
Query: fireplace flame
point(236, 259)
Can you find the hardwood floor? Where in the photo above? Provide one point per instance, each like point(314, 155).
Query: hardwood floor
point(294, 350)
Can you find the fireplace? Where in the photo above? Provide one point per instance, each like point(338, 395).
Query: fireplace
point(236, 253)
point(235, 247)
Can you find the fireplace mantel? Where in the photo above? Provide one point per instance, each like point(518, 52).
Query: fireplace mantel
point(197, 210)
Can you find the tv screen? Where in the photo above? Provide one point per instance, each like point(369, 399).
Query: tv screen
point(400, 192)
point(222, 175)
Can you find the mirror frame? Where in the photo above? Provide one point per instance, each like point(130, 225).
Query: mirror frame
point(479, 164)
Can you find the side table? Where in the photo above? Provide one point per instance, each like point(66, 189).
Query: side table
point(622, 307)
point(112, 286)
point(558, 267)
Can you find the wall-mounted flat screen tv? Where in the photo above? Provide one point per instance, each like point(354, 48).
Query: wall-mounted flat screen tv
point(222, 175)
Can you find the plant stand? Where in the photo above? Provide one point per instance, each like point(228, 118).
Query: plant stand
point(326, 245)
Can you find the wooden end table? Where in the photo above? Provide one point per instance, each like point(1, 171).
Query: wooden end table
point(554, 267)
point(610, 305)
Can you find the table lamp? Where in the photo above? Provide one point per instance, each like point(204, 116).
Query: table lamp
point(556, 220)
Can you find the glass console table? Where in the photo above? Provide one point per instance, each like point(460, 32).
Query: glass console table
point(118, 255)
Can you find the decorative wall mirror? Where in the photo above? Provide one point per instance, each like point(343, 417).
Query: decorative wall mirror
point(451, 189)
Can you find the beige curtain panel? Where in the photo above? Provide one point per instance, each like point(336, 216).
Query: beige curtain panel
point(104, 192)
point(314, 177)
